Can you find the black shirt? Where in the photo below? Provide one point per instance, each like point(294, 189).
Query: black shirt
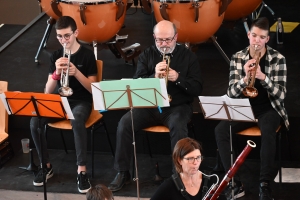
point(85, 62)
point(189, 82)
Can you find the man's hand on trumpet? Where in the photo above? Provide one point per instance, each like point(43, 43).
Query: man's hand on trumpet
point(62, 64)
point(249, 69)
point(173, 75)
point(160, 69)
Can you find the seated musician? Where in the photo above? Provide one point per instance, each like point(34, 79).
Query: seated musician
point(82, 72)
point(187, 157)
point(184, 83)
point(268, 105)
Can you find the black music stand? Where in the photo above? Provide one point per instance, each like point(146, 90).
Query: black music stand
point(36, 105)
point(225, 108)
point(134, 96)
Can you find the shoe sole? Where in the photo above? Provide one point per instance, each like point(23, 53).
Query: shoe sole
point(115, 190)
point(84, 191)
point(239, 195)
point(41, 184)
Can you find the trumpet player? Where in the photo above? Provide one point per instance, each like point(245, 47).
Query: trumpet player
point(184, 83)
point(82, 72)
point(270, 73)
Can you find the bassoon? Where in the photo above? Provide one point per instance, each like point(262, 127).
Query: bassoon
point(215, 193)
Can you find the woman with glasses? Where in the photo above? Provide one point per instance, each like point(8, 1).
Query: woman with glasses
point(187, 157)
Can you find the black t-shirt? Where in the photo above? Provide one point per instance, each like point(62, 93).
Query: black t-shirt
point(261, 102)
point(84, 60)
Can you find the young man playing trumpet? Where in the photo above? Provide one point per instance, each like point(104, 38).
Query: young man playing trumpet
point(268, 106)
point(82, 72)
point(184, 83)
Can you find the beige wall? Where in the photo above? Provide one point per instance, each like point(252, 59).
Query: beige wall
point(18, 11)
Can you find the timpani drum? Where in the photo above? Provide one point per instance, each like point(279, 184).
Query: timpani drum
point(97, 20)
point(51, 8)
point(238, 9)
point(195, 20)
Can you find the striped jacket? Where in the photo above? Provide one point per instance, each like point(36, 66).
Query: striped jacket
point(274, 83)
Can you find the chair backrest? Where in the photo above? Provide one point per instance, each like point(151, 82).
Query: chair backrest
point(100, 68)
point(3, 113)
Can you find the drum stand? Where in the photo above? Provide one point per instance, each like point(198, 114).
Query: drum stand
point(43, 43)
point(127, 53)
point(255, 15)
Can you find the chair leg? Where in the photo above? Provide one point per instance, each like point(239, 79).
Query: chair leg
point(279, 158)
point(63, 139)
point(92, 149)
point(109, 141)
point(149, 148)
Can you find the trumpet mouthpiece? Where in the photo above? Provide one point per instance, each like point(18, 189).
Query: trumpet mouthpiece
point(255, 47)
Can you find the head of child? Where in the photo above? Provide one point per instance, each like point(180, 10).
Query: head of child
point(99, 192)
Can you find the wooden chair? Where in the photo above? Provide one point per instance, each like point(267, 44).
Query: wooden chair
point(255, 132)
point(94, 119)
point(3, 115)
point(164, 129)
point(6, 150)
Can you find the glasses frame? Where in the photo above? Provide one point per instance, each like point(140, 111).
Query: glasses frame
point(192, 159)
point(164, 40)
point(65, 36)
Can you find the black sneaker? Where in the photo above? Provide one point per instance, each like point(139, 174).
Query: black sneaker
point(38, 179)
point(265, 191)
point(238, 190)
point(83, 182)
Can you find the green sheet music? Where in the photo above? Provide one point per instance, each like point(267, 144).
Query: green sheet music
point(144, 93)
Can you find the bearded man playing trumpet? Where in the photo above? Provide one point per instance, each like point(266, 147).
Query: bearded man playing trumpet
point(184, 83)
point(266, 67)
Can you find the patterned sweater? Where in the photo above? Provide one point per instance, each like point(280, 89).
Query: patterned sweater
point(274, 83)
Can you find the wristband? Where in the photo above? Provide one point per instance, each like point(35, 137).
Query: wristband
point(55, 76)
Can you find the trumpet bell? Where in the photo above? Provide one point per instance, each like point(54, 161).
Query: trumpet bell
point(65, 91)
point(250, 92)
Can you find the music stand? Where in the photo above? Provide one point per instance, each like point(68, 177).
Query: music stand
point(225, 108)
point(133, 93)
point(37, 105)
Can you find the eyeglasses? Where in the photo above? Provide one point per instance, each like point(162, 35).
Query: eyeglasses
point(167, 40)
point(192, 159)
point(66, 36)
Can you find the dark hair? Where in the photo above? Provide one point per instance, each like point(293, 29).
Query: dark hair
point(183, 147)
point(66, 22)
point(262, 23)
point(99, 192)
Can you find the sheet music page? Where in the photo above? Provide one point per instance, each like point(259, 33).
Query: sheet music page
point(97, 97)
point(213, 107)
point(67, 108)
point(240, 109)
point(164, 92)
point(3, 99)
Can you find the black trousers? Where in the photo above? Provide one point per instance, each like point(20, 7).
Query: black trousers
point(268, 123)
point(175, 118)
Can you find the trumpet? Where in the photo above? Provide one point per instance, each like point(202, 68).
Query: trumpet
point(250, 90)
point(65, 90)
point(167, 59)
